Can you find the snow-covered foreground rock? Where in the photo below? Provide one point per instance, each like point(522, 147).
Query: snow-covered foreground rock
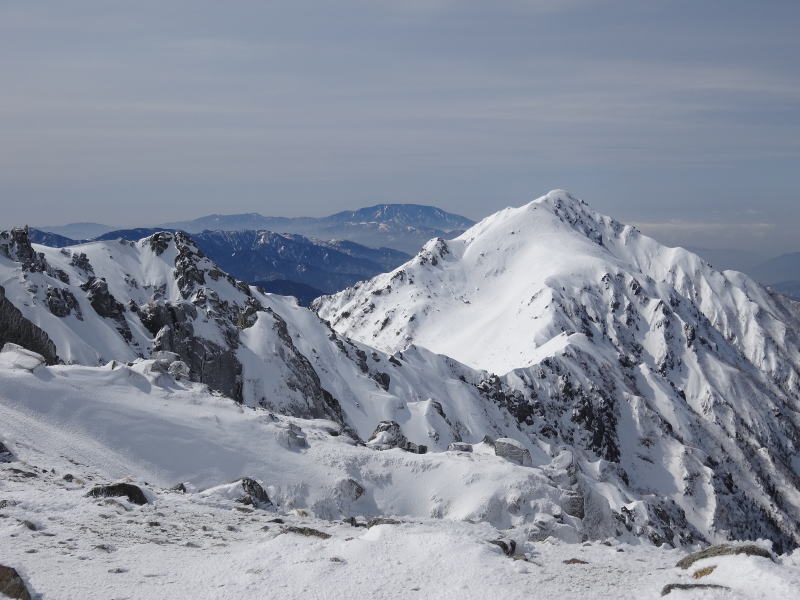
point(70, 429)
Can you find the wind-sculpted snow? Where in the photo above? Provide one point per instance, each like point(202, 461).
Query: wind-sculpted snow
point(673, 384)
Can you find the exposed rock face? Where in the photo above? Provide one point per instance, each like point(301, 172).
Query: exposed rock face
point(350, 488)
point(513, 451)
point(15, 328)
point(16, 245)
point(105, 305)
point(12, 585)
point(62, 302)
point(5, 454)
point(388, 435)
point(460, 447)
point(119, 490)
point(253, 493)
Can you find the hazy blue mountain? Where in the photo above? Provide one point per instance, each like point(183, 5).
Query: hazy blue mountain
point(78, 231)
point(266, 256)
point(783, 268)
point(787, 288)
point(45, 238)
point(404, 227)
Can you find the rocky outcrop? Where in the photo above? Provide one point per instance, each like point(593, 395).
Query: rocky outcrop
point(106, 305)
point(5, 454)
point(132, 492)
point(15, 328)
point(61, 302)
point(254, 494)
point(388, 435)
point(513, 451)
point(12, 585)
point(724, 550)
point(16, 245)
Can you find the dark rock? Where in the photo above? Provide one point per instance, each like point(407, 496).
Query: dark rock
point(254, 493)
point(724, 550)
point(575, 561)
point(671, 587)
point(21, 473)
point(16, 329)
point(388, 435)
point(382, 521)
point(513, 451)
point(69, 477)
point(12, 585)
point(507, 546)
point(29, 525)
point(307, 531)
point(382, 379)
point(5, 454)
point(352, 522)
point(459, 447)
point(181, 488)
point(132, 492)
point(81, 261)
point(351, 489)
point(16, 245)
point(277, 520)
point(62, 302)
point(106, 305)
point(572, 503)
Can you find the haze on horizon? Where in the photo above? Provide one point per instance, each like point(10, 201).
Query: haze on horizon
point(680, 117)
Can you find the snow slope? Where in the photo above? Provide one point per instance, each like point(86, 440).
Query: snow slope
point(72, 427)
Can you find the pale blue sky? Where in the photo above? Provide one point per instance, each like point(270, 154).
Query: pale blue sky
point(682, 116)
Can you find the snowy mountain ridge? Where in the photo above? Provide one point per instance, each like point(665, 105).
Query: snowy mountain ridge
point(635, 408)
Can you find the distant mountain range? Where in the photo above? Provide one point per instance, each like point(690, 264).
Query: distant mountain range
point(301, 260)
point(287, 264)
point(403, 227)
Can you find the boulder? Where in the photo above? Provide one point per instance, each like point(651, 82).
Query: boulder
point(513, 451)
point(350, 488)
point(5, 454)
point(724, 550)
point(254, 493)
point(307, 531)
point(459, 447)
point(12, 585)
point(382, 521)
point(291, 436)
point(132, 492)
point(572, 504)
point(671, 587)
point(388, 435)
point(507, 546)
point(14, 356)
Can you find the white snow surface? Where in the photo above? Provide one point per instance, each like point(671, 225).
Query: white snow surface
point(103, 424)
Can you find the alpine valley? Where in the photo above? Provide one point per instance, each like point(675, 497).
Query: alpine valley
point(549, 401)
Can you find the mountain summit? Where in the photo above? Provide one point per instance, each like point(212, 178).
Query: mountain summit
point(686, 376)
